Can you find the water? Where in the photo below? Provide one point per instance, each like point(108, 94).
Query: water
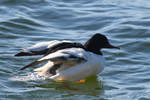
point(125, 22)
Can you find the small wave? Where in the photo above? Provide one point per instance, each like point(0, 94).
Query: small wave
point(27, 77)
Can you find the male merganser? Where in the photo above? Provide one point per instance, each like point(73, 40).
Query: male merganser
point(68, 60)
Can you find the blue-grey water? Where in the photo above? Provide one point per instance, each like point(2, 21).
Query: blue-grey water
point(125, 22)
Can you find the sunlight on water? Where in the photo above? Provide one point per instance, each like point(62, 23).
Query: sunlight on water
point(29, 77)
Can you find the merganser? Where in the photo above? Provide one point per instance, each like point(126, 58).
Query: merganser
point(69, 61)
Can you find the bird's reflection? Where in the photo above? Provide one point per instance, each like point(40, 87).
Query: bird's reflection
point(92, 86)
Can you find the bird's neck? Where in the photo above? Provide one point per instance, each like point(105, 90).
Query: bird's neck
point(96, 51)
point(93, 49)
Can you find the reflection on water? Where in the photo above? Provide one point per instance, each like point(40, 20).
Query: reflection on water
point(91, 87)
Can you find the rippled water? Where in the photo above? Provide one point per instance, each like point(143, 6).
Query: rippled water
point(125, 22)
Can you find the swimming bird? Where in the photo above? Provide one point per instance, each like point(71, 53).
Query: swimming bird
point(69, 61)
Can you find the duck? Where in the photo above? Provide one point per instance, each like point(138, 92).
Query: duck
point(69, 61)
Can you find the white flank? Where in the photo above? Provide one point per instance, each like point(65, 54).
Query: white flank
point(94, 64)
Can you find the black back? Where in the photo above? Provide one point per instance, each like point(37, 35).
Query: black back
point(64, 45)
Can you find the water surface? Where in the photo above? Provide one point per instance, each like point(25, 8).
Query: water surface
point(125, 22)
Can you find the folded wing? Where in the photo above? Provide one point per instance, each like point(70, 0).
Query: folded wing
point(60, 57)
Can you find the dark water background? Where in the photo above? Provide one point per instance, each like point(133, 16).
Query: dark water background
point(125, 22)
